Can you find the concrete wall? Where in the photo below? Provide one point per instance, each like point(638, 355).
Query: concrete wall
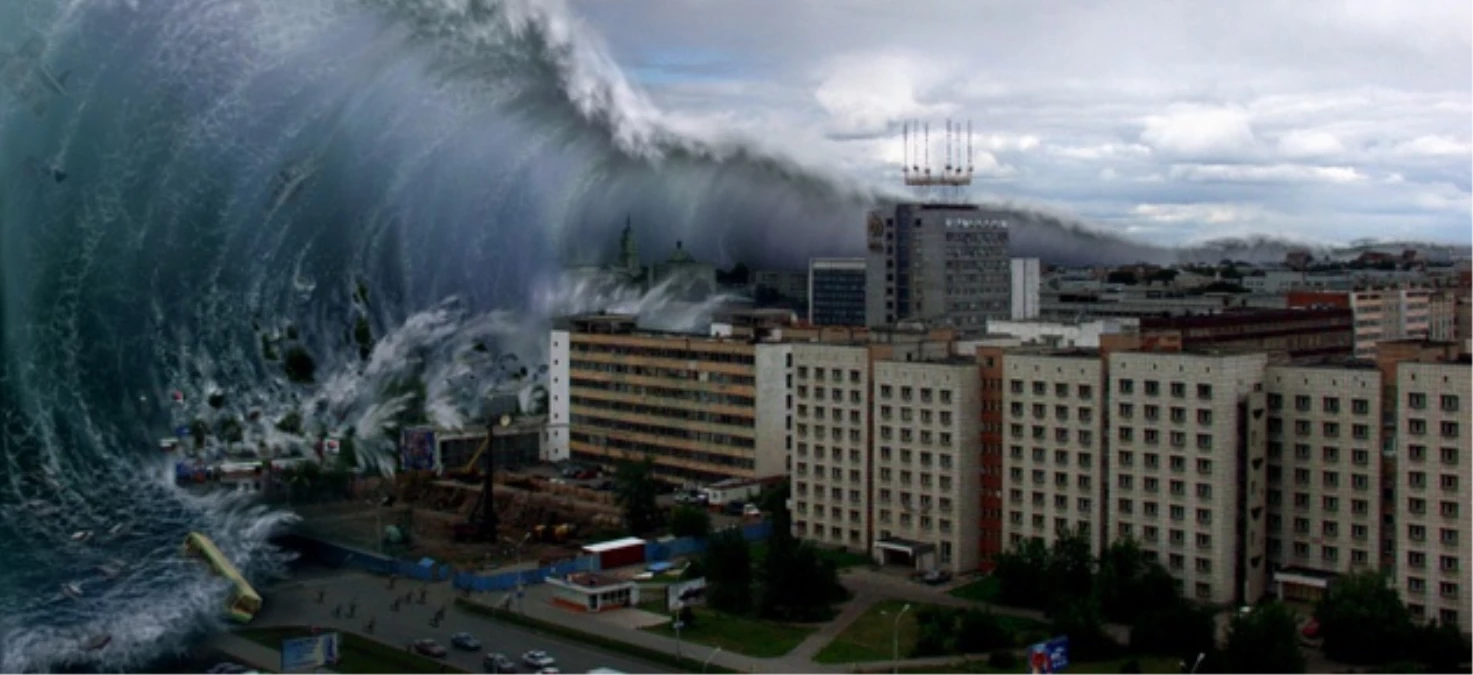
point(774, 409)
point(558, 398)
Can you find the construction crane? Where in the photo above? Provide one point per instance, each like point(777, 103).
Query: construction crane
point(471, 472)
point(482, 522)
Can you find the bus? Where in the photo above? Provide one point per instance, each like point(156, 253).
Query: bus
point(244, 601)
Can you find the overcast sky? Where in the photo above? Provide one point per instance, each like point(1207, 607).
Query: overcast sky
point(1172, 121)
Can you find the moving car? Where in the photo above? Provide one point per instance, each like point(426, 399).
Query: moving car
point(429, 647)
point(498, 663)
point(465, 641)
point(538, 659)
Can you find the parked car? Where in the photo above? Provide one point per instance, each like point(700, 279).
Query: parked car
point(549, 671)
point(498, 663)
point(935, 577)
point(538, 659)
point(465, 641)
point(429, 647)
point(750, 510)
point(227, 668)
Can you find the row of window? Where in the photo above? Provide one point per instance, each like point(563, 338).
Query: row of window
point(1178, 415)
point(1328, 479)
point(662, 373)
point(887, 392)
point(911, 414)
point(1360, 432)
point(1329, 529)
point(1061, 389)
point(1328, 454)
point(677, 354)
point(1153, 388)
point(1328, 404)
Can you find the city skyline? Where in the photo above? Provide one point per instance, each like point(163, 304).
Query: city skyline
point(1320, 122)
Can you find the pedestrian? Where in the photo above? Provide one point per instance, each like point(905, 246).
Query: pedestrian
point(422, 593)
point(337, 611)
point(394, 606)
point(369, 627)
point(392, 578)
point(321, 594)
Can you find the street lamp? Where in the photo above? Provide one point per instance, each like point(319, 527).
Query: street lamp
point(520, 578)
point(895, 638)
point(707, 662)
point(677, 625)
point(1200, 656)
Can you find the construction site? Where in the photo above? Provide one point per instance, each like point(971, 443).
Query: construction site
point(534, 515)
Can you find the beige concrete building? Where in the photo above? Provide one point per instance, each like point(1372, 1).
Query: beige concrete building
point(1054, 476)
point(1187, 444)
point(831, 444)
point(1442, 325)
point(927, 462)
point(1324, 475)
point(704, 409)
point(1432, 482)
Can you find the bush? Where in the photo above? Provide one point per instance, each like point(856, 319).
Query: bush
point(1131, 666)
point(1002, 659)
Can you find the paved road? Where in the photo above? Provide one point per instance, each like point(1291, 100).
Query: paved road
point(296, 604)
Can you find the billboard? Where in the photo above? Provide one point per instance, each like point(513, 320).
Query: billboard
point(1049, 656)
point(690, 592)
point(417, 449)
point(309, 653)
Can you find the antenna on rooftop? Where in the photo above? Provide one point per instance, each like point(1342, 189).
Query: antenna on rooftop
point(953, 175)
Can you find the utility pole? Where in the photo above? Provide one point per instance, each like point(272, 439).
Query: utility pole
point(488, 512)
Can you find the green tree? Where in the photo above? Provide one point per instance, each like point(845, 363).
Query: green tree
point(636, 493)
point(799, 584)
point(1129, 585)
point(1441, 647)
point(1181, 629)
point(728, 564)
point(934, 629)
point(1070, 569)
point(1021, 574)
point(979, 631)
point(1362, 620)
point(1080, 619)
point(1265, 640)
point(774, 503)
point(690, 521)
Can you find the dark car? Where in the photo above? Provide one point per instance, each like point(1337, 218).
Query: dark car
point(465, 641)
point(429, 647)
point(936, 577)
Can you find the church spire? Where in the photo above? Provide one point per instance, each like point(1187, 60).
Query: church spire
point(628, 253)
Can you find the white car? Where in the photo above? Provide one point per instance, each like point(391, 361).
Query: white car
point(538, 659)
point(549, 671)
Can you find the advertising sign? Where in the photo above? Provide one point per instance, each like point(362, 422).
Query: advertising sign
point(1049, 656)
point(309, 653)
point(691, 592)
point(417, 448)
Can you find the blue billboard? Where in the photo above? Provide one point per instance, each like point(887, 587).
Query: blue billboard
point(417, 449)
point(1049, 656)
point(309, 653)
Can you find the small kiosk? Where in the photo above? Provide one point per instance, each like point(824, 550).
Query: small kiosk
point(590, 592)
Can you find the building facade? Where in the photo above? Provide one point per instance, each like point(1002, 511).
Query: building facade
point(1379, 315)
point(836, 291)
point(1054, 475)
point(1432, 482)
point(1187, 455)
point(1304, 334)
point(927, 464)
point(1026, 283)
point(1324, 475)
point(703, 409)
point(831, 445)
point(943, 264)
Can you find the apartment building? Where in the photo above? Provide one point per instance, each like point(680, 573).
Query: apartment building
point(927, 464)
point(1324, 475)
point(1187, 443)
point(1379, 314)
point(1303, 333)
point(990, 537)
point(703, 408)
point(1432, 482)
point(831, 444)
point(942, 264)
point(1054, 476)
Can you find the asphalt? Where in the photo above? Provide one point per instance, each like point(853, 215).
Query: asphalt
point(295, 604)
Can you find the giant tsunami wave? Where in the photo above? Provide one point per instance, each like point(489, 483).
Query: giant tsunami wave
point(240, 169)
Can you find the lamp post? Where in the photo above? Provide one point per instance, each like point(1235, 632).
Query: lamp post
point(895, 638)
point(1200, 656)
point(677, 625)
point(520, 578)
point(488, 513)
point(707, 662)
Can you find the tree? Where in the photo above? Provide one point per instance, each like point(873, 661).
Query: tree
point(1129, 585)
point(1070, 569)
point(1181, 629)
point(1123, 277)
point(1363, 621)
point(728, 564)
point(798, 584)
point(1441, 647)
point(1265, 640)
point(980, 631)
point(636, 494)
point(774, 503)
point(689, 521)
point(693, 570)
point(934, 628)
point(1080, 619)
point(1021, 574)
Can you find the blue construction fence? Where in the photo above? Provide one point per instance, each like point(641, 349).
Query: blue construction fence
point(338, 555)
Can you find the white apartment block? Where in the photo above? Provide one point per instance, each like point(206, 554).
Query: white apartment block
point(1388, 314)
point(1054, 467)
point(1068, 335)
point(1442, 316)
point(831, 444)
point(1187, 453)
point(1324, 476)
point(1026, 282)
point(1432, 482)
point(927, 463)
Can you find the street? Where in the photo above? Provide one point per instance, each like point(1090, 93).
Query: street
point(295, 603)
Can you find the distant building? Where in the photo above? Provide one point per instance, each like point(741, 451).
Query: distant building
point(1025, 286)
point(940, 264)
point(684, 277)
point(1303, 334)
point(1380, 314)
point(783, 284)
point(836, 291)
point(1064, 334)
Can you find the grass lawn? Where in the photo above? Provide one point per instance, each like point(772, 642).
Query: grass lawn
point(872, 636)
point(1149, 664)
point(840, 559)
point(359, 654)
point(739, 634)
point(981, 590)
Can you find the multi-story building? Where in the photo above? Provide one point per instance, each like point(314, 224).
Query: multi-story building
point(1025, 287)
point(1432, 482)
point(927, 465)
point(1054, 476)
point(1187, 458)
point(836, 291)
point(786, 284)
point(945, 264)
point(1380, 315)
point(702, 408)
point(831, 444)
point(1304, 334)
point(1442, 316)
point(1324, 475)
point(990, 539)
point(1081, 334)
